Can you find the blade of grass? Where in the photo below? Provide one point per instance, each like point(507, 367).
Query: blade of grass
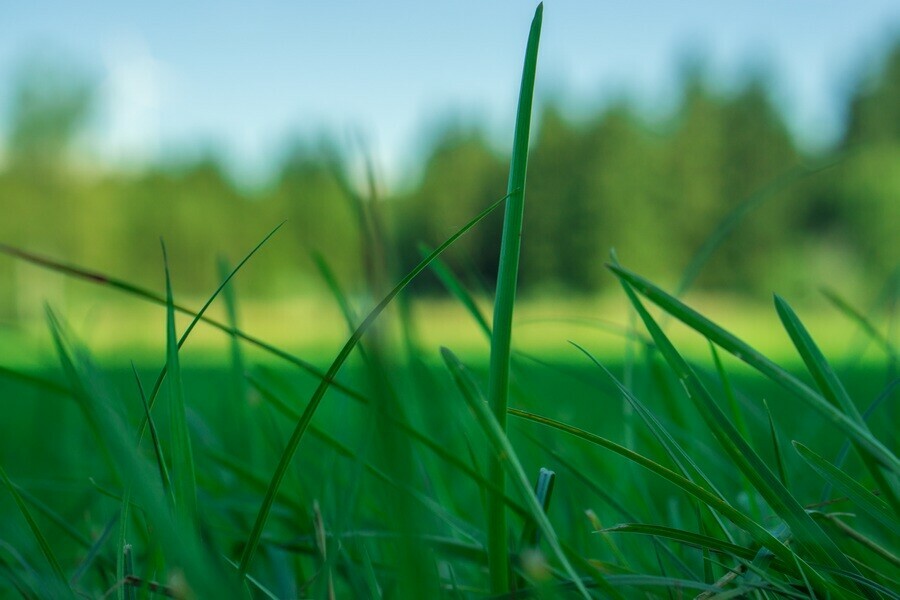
point(184, 481)
point(154, 437)
point(860, 496)
point(456, 288)
point(325, 383)
point(776, 447)
point(60, 581)
point(831, 387)
point(752, 357)
point(804, 529)
point(506, 455)
point(507, 276)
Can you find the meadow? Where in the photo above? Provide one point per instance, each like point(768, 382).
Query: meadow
point(643, 451)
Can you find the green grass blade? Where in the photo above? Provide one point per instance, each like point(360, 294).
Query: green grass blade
point(804, 529)
point(755, 359)
point(830, 386)
point(60, 581)
point(325, 383)
point(859, 495)
point(458, 290)
point(507, 277)
point(154, 438)
point(508, 459)
point(776, 447)
point(184, 481)
point(689, 538)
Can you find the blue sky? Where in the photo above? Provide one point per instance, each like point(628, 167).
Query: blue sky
point(243, 77)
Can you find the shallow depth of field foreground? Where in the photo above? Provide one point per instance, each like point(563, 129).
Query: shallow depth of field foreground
point(650, 453)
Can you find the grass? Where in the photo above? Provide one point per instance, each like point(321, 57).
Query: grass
point(671, 467)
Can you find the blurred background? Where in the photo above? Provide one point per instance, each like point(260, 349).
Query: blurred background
point(210, 124)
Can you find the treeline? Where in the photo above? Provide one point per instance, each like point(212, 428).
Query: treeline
point(652, 190)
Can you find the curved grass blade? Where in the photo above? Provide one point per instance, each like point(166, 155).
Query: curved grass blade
point(752, 357)
point(804, 529)
point(507, 277)
point(456, 288)
point(689, 538)
point(830, 386)
point(506, 455)
point(60, 581)
point(860, 496)
point(184, 481)
point(325, 383)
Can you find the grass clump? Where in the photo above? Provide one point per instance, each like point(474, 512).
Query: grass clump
point(410, 482)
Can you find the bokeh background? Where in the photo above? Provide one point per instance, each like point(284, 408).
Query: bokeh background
point(210, 124)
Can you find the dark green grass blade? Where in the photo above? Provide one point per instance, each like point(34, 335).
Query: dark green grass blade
point(325, 383)
point(510, 462)
point(752, 357)
point(806, 531)
point(184, 481)
point(507, 277)
point(36, 381)
point(776, 447)
point(691, 539)
point(830, 386)
point(154, 438)
point(458, 290)
point(859, 495)
point(60, 582)
point(93, 553)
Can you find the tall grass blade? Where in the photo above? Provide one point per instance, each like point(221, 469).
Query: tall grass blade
point(507, 277)
point(755, 359)
point(864, 323)
point(506, 455)
point(326, 381)
point(184, 481)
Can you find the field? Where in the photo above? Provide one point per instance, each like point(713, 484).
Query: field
point(654, 442)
